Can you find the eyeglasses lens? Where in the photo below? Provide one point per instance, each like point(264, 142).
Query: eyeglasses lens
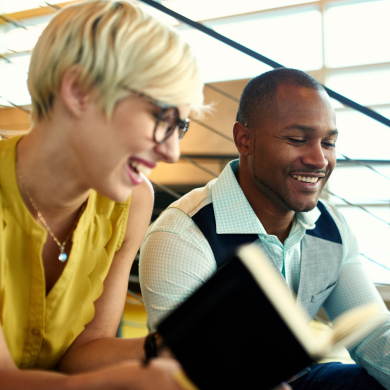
point(183, 127)
point(166, 124)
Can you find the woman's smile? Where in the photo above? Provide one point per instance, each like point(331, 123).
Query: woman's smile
point(136, 166)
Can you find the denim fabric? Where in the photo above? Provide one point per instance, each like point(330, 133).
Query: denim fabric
point(335, 376)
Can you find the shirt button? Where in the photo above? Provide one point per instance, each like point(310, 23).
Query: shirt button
point(35, 332)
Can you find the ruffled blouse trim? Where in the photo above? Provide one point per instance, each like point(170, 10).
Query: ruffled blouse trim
point(95, 251)
point(93, 281)
point(125, 217)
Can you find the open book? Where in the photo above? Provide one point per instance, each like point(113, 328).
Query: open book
point(243, 328)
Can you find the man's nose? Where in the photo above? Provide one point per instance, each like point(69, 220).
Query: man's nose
point(315, 156)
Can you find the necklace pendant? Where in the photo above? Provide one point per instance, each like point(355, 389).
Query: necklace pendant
point(62, 256)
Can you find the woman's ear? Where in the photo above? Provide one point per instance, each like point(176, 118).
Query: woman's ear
point(74, 96)
point(242, 138)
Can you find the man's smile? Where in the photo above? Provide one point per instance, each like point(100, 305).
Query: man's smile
point(307, 179)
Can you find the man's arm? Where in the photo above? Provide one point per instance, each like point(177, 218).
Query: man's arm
point(175, 260)
point(353, 289)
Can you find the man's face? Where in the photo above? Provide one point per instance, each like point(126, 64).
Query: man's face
point(293, 151)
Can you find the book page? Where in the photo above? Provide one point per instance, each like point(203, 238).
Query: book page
point(352, 326)
point(348, 329)
point(279, 295)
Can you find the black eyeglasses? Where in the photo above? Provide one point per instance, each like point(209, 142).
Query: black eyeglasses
point(167, 121)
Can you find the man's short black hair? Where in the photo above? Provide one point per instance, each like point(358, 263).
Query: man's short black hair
point(258, 97)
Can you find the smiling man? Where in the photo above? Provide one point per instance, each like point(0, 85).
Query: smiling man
point(286, 139)
point(285, 134)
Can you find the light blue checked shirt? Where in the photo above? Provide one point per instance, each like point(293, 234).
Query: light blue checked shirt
point(176, 259)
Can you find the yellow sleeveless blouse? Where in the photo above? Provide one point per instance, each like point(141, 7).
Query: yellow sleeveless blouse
point(39, 329)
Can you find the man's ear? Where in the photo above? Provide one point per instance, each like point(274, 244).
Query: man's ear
point(242, 138)
point(74, 96)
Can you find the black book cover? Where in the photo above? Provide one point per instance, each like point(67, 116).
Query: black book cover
point(227, 335)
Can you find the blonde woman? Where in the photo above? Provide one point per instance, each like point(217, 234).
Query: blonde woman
point(111, 89)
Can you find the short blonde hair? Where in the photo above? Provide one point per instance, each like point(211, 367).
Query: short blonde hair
point(116, 45)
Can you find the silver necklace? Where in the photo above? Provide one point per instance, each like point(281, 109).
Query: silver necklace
point(62, 256)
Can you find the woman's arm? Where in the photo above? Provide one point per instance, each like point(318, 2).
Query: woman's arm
point(131, 375)
point(97, 346)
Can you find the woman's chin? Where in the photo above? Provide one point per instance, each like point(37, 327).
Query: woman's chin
point(118, 195)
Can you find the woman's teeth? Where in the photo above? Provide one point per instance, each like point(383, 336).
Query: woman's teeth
point(306, 179)
point(140, 168)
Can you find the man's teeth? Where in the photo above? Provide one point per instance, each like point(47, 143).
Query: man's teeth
point(140, 168)
point(306, 179)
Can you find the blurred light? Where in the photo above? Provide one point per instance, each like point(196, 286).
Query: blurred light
point(357, 34)
point(361, 137)
point(206, 9)
point(365, 86)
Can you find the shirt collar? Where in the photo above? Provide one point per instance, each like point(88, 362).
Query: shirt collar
point(234, 214)
point(308, 219)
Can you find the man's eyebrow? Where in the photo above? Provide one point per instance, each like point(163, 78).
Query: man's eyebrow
point(308, 129)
